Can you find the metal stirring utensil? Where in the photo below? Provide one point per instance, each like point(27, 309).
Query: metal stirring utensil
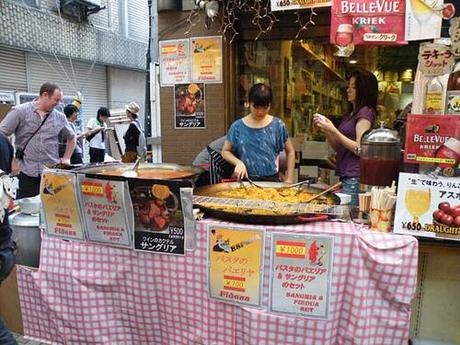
point(133, 171)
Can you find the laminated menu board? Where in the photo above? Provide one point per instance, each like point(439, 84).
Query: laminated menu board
point(158, 215)
point(235, 264)
point(301, 274)
point(61, 206)
point(105, 204)
point(428, 206)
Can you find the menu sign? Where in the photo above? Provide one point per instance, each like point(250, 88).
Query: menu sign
point(301, 275)
point(104, 206)
point(428, 207)
point(435, 59)
point(281, 5)
point(235, 258)
point(189, 105)
point(158, 218)
point(174, 62)
point(206, 54)
point(60, 204)
point(433, 139)
point(367, 22)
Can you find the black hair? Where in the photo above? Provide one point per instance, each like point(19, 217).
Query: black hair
point(367, 89)
point(260, 95)
point(49, 88)
point(102, 111)
point(69, 110)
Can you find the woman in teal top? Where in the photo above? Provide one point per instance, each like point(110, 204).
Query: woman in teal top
point(254, 142)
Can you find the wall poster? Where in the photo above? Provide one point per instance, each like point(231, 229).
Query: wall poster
point(206, 54)
point(189, 106)
point(174, 62)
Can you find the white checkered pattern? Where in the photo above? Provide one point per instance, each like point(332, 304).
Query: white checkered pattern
point(87, 293)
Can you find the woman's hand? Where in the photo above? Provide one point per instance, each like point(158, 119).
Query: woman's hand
point(322, 122)
point(240, 171)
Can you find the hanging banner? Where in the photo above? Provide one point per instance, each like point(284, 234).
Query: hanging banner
point(60, 205)
point(174, 62)
point(206, 54)
point(301, 275)
point(428, 207)
point(435, 59)
point(104, 206)
point(366, 22)
point(433, 139)
point(423, 19)
point(282, 5)
point(235, 264)
point(189, 106)
point(158, 217)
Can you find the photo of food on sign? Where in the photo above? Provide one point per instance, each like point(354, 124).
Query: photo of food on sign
point(155, 208)
point(189, 99)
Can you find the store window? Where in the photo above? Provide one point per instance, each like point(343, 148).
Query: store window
point(306, 77)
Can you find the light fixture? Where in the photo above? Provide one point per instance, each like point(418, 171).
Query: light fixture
point(353, 61)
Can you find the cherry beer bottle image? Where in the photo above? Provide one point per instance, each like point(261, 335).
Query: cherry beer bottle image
point(344, 40)
point(450, 154)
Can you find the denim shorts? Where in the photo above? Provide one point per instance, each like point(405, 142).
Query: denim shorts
point(350, 185)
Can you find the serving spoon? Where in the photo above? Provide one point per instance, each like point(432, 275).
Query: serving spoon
point(133, 171)
point(331, 188)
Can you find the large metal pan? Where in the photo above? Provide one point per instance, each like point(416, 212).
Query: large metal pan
point(152, 171)
point(277, 219)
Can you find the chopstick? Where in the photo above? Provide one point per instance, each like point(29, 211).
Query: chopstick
point(337, 185)
point(253, 183)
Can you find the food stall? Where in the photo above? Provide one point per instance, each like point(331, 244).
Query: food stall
point(239, 277)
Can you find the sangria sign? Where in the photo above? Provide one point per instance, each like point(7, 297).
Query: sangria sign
point(366, 22)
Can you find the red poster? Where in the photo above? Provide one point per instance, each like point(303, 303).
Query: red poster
point(433, 139)
point(367, 22)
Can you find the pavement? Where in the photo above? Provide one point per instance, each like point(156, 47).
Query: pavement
point(23, 341)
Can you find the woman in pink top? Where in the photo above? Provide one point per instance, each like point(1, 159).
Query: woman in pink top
point(362, 94)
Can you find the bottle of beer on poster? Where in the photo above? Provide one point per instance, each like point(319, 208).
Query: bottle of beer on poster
point(453, 91)
point(433, 97)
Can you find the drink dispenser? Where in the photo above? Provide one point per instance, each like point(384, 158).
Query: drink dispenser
point(380, 158)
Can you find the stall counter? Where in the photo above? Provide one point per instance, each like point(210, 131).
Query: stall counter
point(87, 293)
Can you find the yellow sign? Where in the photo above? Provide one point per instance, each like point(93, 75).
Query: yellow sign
point(206, 54)
point(62, 211)
point(235, 264)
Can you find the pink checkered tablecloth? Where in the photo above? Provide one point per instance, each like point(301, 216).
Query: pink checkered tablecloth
point(87, 293)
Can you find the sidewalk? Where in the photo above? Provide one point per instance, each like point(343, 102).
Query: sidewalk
point(23, 341)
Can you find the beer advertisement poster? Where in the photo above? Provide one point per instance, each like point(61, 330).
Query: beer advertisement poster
point(235, 264)
point(301, 275)
point(428, 206)
point(360, 22)
point(60, 204)
point(104, 206)
point(206, 54)
point(433, 139)
point(174, 62)
point(283, 5)
point(423, 19)
point(189, 106)
point(158, 217)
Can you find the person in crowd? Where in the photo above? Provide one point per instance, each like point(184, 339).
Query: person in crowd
point(362, 95)
point(36, 126)
point(134, 136)
point(212, 153)
point(97, 126)
point(202, 158)
point(7, 247)
point(71, 112)
point(254, 142)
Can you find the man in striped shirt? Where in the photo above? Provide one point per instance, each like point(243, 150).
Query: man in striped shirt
point(36, 126)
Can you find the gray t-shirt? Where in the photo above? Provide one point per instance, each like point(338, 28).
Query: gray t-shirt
point(203, 157)
point(22, 121)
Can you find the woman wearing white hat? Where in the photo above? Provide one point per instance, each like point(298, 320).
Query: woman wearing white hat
point(134, 136)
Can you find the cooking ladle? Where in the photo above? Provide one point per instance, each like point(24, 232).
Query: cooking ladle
point(331, 188)
point(133, 171)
